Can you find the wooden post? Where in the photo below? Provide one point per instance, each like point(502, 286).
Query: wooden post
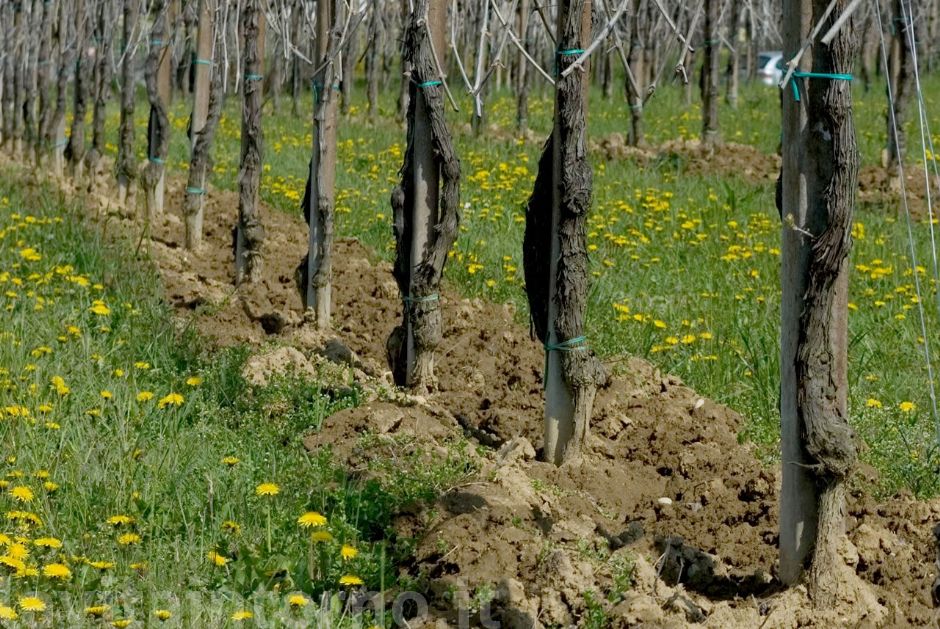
point(44, 83)
point(249, 233)
point(165, 91)
point(317, 267)
point(424, 203)
point(126, 167)
point(62, 85)
point(75, 148)
point(818, 182)
point(555, 250)
point(195, 206)
point(710, 76)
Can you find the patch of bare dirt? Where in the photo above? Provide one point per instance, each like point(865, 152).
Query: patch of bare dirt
point(729, 158)
point(664, 485)
point(877, 188)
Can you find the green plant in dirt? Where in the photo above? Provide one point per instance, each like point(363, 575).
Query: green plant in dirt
point(595, 614)
point(622, 568)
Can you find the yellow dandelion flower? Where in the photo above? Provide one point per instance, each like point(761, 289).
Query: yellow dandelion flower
point(101, 565)
point(298, 600)
point(7, 613)
point(100, 308)
point(241, 615)
point(47, 542)
point(321, 536)
point(216, 558)
point(163, 614)
point(231, 460)
point(311, 519)
point(348, 552)
point(143, 366)
point(128, 539)
point(873, 403)
point(21, 493)
point(193, 381)
point(231, 527)
point(174, 399)
point(267, 489)
point(57, 571)
point(97, 611)
point(907, 407)
point(120, 520)
point(145, 396)
point(123, 622)
point(107, 395)
point(350, 579)
point(31, 604)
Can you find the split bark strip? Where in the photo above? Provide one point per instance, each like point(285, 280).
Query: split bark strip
point(203, 94)
point(316, 269)
point(44, 76)
point(102, 86)
point(157, 75)
point(424, 204)
point(75, 149)
point(710, 76)
point(126, 169)
point(555, 256)
point(818, 443)
point(249, 233)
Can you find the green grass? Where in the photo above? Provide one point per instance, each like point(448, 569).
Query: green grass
point(133, 460)
point(686, 265)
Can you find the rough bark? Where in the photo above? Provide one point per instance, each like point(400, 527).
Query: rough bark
point(424, 204)
point(9, 49)
point(30, 73)
point(15, 134)
point(314, 275)
point(821, 363)
point(103, 72)
point(158, 127)
point(734, 56)
point(65, 33)
point(374, 59)
point(555, 256)
point(75, 149)
point(404, 87)
point(523, 76)
point(901, 78)
point(635, 61)
point(249, 233)
point(44, 81)
point(126, 166)
point(207, 110)
point(818, 182)
point(710, 75)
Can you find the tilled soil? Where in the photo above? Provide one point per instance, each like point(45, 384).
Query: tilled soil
point(664, 486)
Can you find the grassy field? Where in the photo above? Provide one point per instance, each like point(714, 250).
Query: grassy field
point(685, 265)
point(142, 478)
point(145, 480)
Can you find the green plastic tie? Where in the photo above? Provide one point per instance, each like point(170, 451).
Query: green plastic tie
point(571, 52)
point(430, 84)
point(192, 190)
point(157, 42)
point(61, 143)
point(409, 300)
point(253, 77)
point(577, 344)
point(202, 62)
point(815, 75)
point(156, 160)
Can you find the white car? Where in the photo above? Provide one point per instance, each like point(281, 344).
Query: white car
point(770, 67)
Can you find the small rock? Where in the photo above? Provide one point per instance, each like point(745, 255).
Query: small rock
point(664, 501)
point(515, 449)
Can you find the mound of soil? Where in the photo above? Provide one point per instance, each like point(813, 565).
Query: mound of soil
point(727, 159)
point(666, 521)
point(877, 188)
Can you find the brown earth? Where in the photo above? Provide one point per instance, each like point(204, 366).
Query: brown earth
point(664, 486)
